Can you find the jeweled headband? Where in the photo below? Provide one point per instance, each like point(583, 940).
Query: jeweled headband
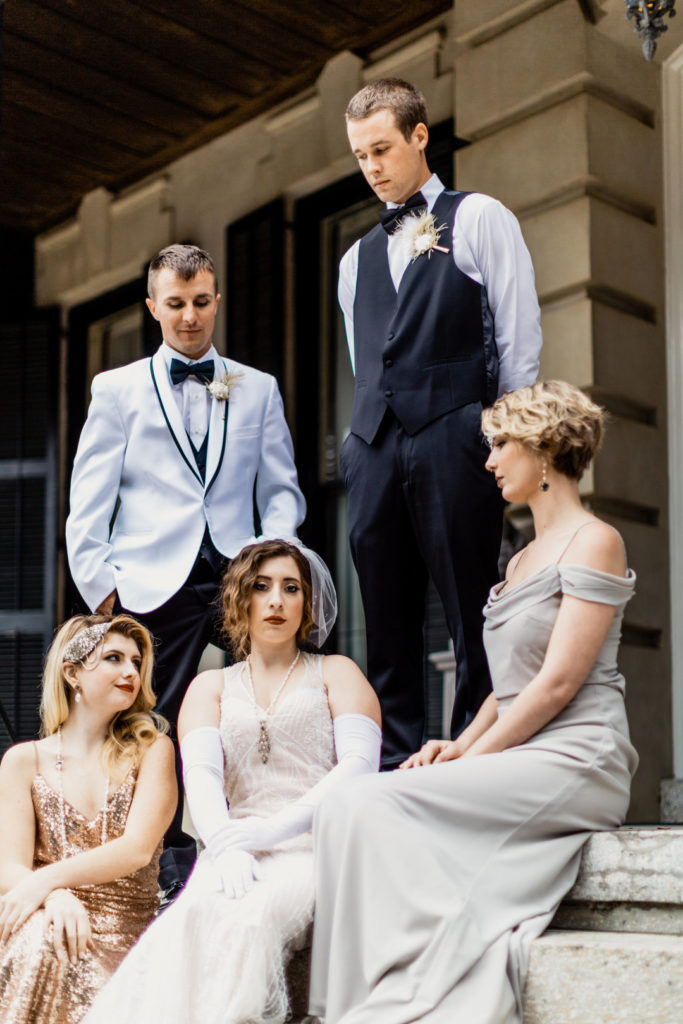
point(80, 646)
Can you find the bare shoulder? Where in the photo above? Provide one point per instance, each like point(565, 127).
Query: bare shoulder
point(598, 545)
point(338, 667)
point(348, 690)
point(207, 684)
point(19, 763)
point(201, 704)
point(159, 752)
point(157, 761)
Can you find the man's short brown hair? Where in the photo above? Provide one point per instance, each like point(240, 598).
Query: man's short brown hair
point(395, 94)
point(184, 260)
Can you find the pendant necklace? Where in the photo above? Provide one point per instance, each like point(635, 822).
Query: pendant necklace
point(59, 765)
point(261, 713)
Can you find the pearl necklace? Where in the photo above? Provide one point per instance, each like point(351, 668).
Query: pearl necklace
point(59, 765)
point(261, 714)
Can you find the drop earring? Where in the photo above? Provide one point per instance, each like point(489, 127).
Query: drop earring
point(544, 485)
point(77, 691)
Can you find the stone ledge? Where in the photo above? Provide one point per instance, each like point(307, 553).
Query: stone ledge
point(604, 978)
point(653, 918)
point(632, 865)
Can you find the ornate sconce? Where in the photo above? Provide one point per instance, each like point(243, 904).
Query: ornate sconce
point(649, 21)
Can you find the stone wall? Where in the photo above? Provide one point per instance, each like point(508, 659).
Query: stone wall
point(565, 128)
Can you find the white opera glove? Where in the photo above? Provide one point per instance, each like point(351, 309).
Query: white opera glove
point(358, 742)
point(201, 751)
point(236, 872)
point(202, 754)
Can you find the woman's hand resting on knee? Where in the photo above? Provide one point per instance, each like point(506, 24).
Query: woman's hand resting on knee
point(67, 919)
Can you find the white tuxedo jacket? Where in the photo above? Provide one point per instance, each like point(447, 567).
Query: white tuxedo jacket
point(138, 504)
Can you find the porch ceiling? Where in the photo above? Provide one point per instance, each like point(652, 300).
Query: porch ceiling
point(103, 93)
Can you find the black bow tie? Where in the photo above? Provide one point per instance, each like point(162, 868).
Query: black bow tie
point(391, 218)
point(180, 371)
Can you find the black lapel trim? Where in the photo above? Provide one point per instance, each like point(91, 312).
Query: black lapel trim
point(225, 434)
point(170, 429)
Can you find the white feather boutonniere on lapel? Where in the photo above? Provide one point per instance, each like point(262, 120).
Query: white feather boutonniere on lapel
point(420, 235)
point(222, 389)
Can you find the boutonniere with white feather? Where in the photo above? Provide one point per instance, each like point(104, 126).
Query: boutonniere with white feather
point(420, 235)
point(222, 389)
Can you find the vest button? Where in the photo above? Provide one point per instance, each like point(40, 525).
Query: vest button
point(388, 362)
point(388, 393)
point(390, 335)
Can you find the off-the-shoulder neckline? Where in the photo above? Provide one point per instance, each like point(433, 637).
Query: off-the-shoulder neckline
point(499, 590)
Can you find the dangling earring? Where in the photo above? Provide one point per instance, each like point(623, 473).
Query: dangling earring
point(544, 485)
point(77, 692)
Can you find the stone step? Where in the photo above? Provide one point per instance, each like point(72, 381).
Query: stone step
point(578, 977)
point(614, 952)
point(631, 880)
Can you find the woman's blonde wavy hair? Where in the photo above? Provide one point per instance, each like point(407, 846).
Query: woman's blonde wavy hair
point(552, 418)
point(238, 587)
point(129, 732)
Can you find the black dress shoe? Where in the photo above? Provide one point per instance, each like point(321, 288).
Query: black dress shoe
point(169, 895)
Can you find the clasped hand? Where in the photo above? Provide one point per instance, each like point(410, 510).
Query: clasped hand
point(434, 752)
point(65, 916)
point(232, 857)
point(17, 905)
point(70, 924)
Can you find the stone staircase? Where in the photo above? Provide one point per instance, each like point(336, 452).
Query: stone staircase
point(614, 952)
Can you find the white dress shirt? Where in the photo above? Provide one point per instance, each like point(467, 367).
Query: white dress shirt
point(489, 248)
point(191, 396)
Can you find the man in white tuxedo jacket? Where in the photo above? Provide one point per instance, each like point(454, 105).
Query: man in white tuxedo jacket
point(164, 484)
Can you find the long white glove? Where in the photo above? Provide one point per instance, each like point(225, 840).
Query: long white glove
point(357, 741)
point(202, 755)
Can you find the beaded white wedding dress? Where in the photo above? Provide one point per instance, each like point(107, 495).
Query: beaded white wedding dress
point(213, 960)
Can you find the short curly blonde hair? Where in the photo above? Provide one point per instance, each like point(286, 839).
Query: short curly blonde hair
point(552, 418)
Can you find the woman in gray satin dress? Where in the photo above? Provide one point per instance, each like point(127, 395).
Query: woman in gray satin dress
point(432, 881)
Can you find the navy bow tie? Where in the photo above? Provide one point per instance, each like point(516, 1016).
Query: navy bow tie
point(391, 218)
point(180, 371)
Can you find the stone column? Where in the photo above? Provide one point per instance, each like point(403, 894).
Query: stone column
point(672, 789)
point(564, 128)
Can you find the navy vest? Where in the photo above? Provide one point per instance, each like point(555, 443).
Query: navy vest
point(427, 349)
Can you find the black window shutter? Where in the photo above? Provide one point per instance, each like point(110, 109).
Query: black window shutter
point(28, 516)
point(255, 289)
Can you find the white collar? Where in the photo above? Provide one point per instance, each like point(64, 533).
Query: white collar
point(431, 190)
point(170, 353)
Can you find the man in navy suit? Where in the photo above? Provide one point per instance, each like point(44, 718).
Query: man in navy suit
point(164, 482)
point(441, 317)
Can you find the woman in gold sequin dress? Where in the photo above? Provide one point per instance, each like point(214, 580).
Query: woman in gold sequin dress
point(265, 733)
point(83, 813)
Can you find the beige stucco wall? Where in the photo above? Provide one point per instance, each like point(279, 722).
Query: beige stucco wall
point(564, 123)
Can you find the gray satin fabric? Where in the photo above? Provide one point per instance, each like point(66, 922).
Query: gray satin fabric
point(431, 883)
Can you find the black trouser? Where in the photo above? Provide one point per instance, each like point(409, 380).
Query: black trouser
point(182, 627)
point(419, 506)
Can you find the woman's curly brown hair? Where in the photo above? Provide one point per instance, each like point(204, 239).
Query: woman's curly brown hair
point(552, 418)
point(238, 587)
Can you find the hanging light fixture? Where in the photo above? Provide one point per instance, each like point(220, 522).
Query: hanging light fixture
point(649, 24)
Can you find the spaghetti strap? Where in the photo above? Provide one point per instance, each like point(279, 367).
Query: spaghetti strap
point(571, 539)
point(35, 753)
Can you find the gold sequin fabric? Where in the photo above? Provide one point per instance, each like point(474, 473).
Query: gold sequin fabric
point(35, 988)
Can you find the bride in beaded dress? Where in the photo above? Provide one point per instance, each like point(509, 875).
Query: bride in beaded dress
point(491, 824)
point(272, 734)
point(83, 814)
